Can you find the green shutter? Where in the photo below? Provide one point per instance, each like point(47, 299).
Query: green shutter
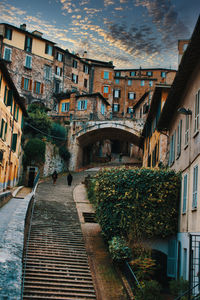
point(22, 122)
point(14, 110)
point(0, 81)
point(172, 258)
point(5, 95)
point(17, 117)
point(2, 125)
point(5, 131)
point(10, 98)
point(14, 142)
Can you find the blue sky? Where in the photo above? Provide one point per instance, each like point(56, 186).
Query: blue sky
point(131, 33)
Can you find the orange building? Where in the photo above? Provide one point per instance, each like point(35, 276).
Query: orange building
point(12, 110)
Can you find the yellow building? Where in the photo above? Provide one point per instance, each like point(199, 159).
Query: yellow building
point(155, 142)
point(12, 110)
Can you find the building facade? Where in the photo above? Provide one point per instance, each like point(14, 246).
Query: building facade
point(181, 117)
point(12, 110)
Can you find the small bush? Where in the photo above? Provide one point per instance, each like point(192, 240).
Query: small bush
point(34, 152)
point(143, 267)
point(119, 250)
point(178, 287)
point(150, 291)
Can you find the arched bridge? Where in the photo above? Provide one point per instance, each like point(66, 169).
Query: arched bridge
point(83, 134)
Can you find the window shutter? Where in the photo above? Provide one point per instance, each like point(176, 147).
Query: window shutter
point(102, 89)
point(42, 88)
point(109, 89)
point(77, 79)
point(5, 95)
point(110, 76)
point(17, 113)
point(10, 98)
point(14, 142)
point(171, 259)
point(79, 105)
point(85, 104)
point(34, 86)
point(30, 85)
point(184, 193)
point(0, 81)
point(2, 125)
point(22, 83)
point(6, 125)
point(102, 74)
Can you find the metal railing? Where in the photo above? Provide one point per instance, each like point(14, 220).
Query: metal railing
point(188, 293)
point(28, 224)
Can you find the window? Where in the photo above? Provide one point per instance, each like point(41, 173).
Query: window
point(28, 44)
point(8, 34)
point(85, 83)
point(65, 107)
point(106, 75)
point(59, 56)
point(85, 69)
point(131, 96)
point(151, 83)
point(149, 73)
point(195, 185)
point(163, 74)
point(49, 49)
point(117, 93)
point(82, 105)
point(57, 87)
point(0, 81)
point(17, 116)
point(186, 129)
point(117, 81)
point(10, 98)
point(74, 78)
point(179, 136)
point(172, 149)
point(118, 74)
point(14, 142)
point(5, 94)
point(38, 87)
point(129, 110)
point(58, 71)
point(105, 89)
point(47, 72)
point(185, 179)
point(142, 83)
point(74, 64)
point(28, 62)
point(2, 128)
point(196, 112)
point(116, 107)
point(1, 156)
point(7, 54)
point(132, 73)
point(103, 109)
point(26, 84)
point(129, 82)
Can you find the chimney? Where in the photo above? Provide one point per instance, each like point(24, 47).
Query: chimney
point(85, 54)
point(23, 26)
point(37, 33)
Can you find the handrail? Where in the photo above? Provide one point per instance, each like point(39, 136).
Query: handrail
point(29, 231)
point(186, 292)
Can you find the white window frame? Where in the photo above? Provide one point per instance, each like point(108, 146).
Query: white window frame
point(185, 193)
point(59, 56)
point(187, 129)
point(75, 78)
point(58, 71)
point(195, 187)
point(5, 55)
point(196, 112)
point(179, 138)
point(117, 93)
point(28, 61)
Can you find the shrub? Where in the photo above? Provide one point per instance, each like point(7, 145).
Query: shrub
point(34, 152)
point(64, 153)
point(143, 202)
point(150, 291)
point(143, 267)
point(59, 132)
point(178, 287)
point(119, 250)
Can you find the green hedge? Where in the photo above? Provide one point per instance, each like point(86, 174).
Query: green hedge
point(140, 202)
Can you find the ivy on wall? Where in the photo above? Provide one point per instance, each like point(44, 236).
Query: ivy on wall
point(136, 203)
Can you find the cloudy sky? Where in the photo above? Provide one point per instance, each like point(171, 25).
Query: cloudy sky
point(131, 33)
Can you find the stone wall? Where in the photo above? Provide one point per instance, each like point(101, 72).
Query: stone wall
point(53, 161)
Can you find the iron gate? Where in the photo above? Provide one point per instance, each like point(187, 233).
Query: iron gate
point(194, 265)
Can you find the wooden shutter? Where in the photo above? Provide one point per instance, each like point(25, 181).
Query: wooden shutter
point(102, 74)
point(2, 126)
point(10, 98)
point(35, 86)
point(30, 84)
point(42, 88)
point(22, 83)
point(109, 89)
point(110, 75)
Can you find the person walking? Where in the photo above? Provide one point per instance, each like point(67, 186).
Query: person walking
point(54, 177)
point(69, 178)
